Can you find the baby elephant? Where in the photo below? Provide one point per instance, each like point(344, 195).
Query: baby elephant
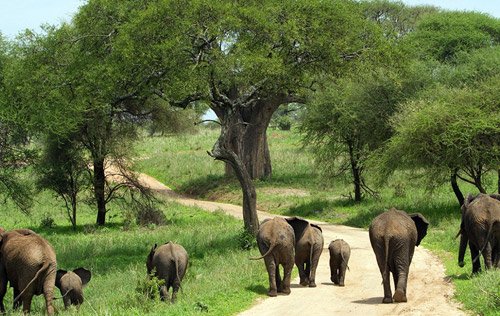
point(339, 257)
point(169, 262)
point(71, 283)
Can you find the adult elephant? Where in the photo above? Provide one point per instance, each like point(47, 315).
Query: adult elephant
point(308, 248)
point(28, 263)
point(276, 242)
point(480, 228)
point(393, 236)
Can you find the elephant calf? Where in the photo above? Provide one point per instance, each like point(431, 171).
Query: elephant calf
point(169, 262)
point(393, 236)
point(71, 284)
point(339, 258)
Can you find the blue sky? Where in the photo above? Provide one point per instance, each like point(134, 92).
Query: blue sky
point(17, 15)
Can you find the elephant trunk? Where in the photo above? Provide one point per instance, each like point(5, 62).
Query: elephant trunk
point(463, 245)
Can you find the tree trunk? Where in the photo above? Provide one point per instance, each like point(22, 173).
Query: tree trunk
point(223, 151)
point(456, 189)
point(356, 174)
point(99, 191)
point(248, 139)
point(498, 181)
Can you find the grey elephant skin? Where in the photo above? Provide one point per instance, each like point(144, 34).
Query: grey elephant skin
point(340, 252)
point(71, 284)
point(309, 244)
point(480, 228)
point(169, 263)
point(276, 242)
point(393, 236)
point(28, 263)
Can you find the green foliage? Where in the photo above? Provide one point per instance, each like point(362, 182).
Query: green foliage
point(247, 241)
point(444, 35)
point(150, 286)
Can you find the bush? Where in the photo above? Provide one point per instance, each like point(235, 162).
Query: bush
point(149, 215)
point(150, 287)
point(246, 240)
point(47, 222)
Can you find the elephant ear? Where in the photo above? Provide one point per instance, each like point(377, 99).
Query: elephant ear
point(316, 226)
point(84, 274)
point(299, 225)
point(421, 223)
point(60, 273)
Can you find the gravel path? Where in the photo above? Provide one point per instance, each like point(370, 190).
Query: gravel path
point(429, 293)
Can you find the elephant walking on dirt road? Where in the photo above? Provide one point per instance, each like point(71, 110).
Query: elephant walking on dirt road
point(309, 244)
point(480, 228)
point(276, 242)
point(393, 236)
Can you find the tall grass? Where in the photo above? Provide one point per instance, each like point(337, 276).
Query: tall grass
point(220, 279)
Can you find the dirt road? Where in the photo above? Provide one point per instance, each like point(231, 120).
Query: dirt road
point(428, 292)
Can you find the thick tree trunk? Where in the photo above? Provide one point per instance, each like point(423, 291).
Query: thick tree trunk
point(223, 151)
point(248, 140)
point(99, 191)
point(456, 189)
point(498, 180)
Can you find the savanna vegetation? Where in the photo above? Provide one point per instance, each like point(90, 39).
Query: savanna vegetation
point(377, 104)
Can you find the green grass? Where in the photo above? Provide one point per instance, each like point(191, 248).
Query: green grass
point(296, 188)
point(220, 279)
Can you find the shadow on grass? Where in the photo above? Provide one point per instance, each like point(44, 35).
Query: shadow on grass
point(463, 276)
point(257, 288)
point(314, 208)
point(203, 185)
point(68, 229)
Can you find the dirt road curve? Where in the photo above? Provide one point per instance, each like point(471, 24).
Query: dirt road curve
point(428, 293)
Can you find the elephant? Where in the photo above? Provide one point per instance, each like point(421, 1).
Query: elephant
point(339, 258)
point(276, 242)
point(480, 228)
point(28, 263)
point(393, 236)
point(71, 284)
point(308, 248)
point(168, 262)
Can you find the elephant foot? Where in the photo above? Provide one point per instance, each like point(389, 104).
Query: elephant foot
point(287, 291)
point(399, 296)
point(304, 283)
point(341, 284)
point(312, 284)
point(272, 293)
point(387, 300)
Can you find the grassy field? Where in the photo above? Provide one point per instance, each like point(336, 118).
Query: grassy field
point(296, 188)
point(218, 271)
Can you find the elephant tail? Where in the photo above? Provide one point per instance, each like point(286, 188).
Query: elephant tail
point(386, 259)
point(266, 254)
point(343, 259)
point(45, 267)
point(486, 241)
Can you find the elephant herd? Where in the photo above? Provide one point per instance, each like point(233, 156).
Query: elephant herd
point(28, 261)
point(393, 237)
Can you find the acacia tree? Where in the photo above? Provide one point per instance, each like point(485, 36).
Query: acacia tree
point(14, 154)
point(63, 169)
point(244, 59)
point(455, 122)
point(74, 83)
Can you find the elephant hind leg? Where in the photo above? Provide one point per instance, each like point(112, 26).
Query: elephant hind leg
point(287, 277)
point(271, 271)
point(163, 292)
point(279, 283)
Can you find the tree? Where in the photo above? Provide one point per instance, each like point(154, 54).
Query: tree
point(74, 84)
point(449, 132)
point(348, 120)
point(14, 154)
point(64, 170)
point(456, 121)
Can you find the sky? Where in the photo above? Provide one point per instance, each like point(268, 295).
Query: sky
point(17, 15)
